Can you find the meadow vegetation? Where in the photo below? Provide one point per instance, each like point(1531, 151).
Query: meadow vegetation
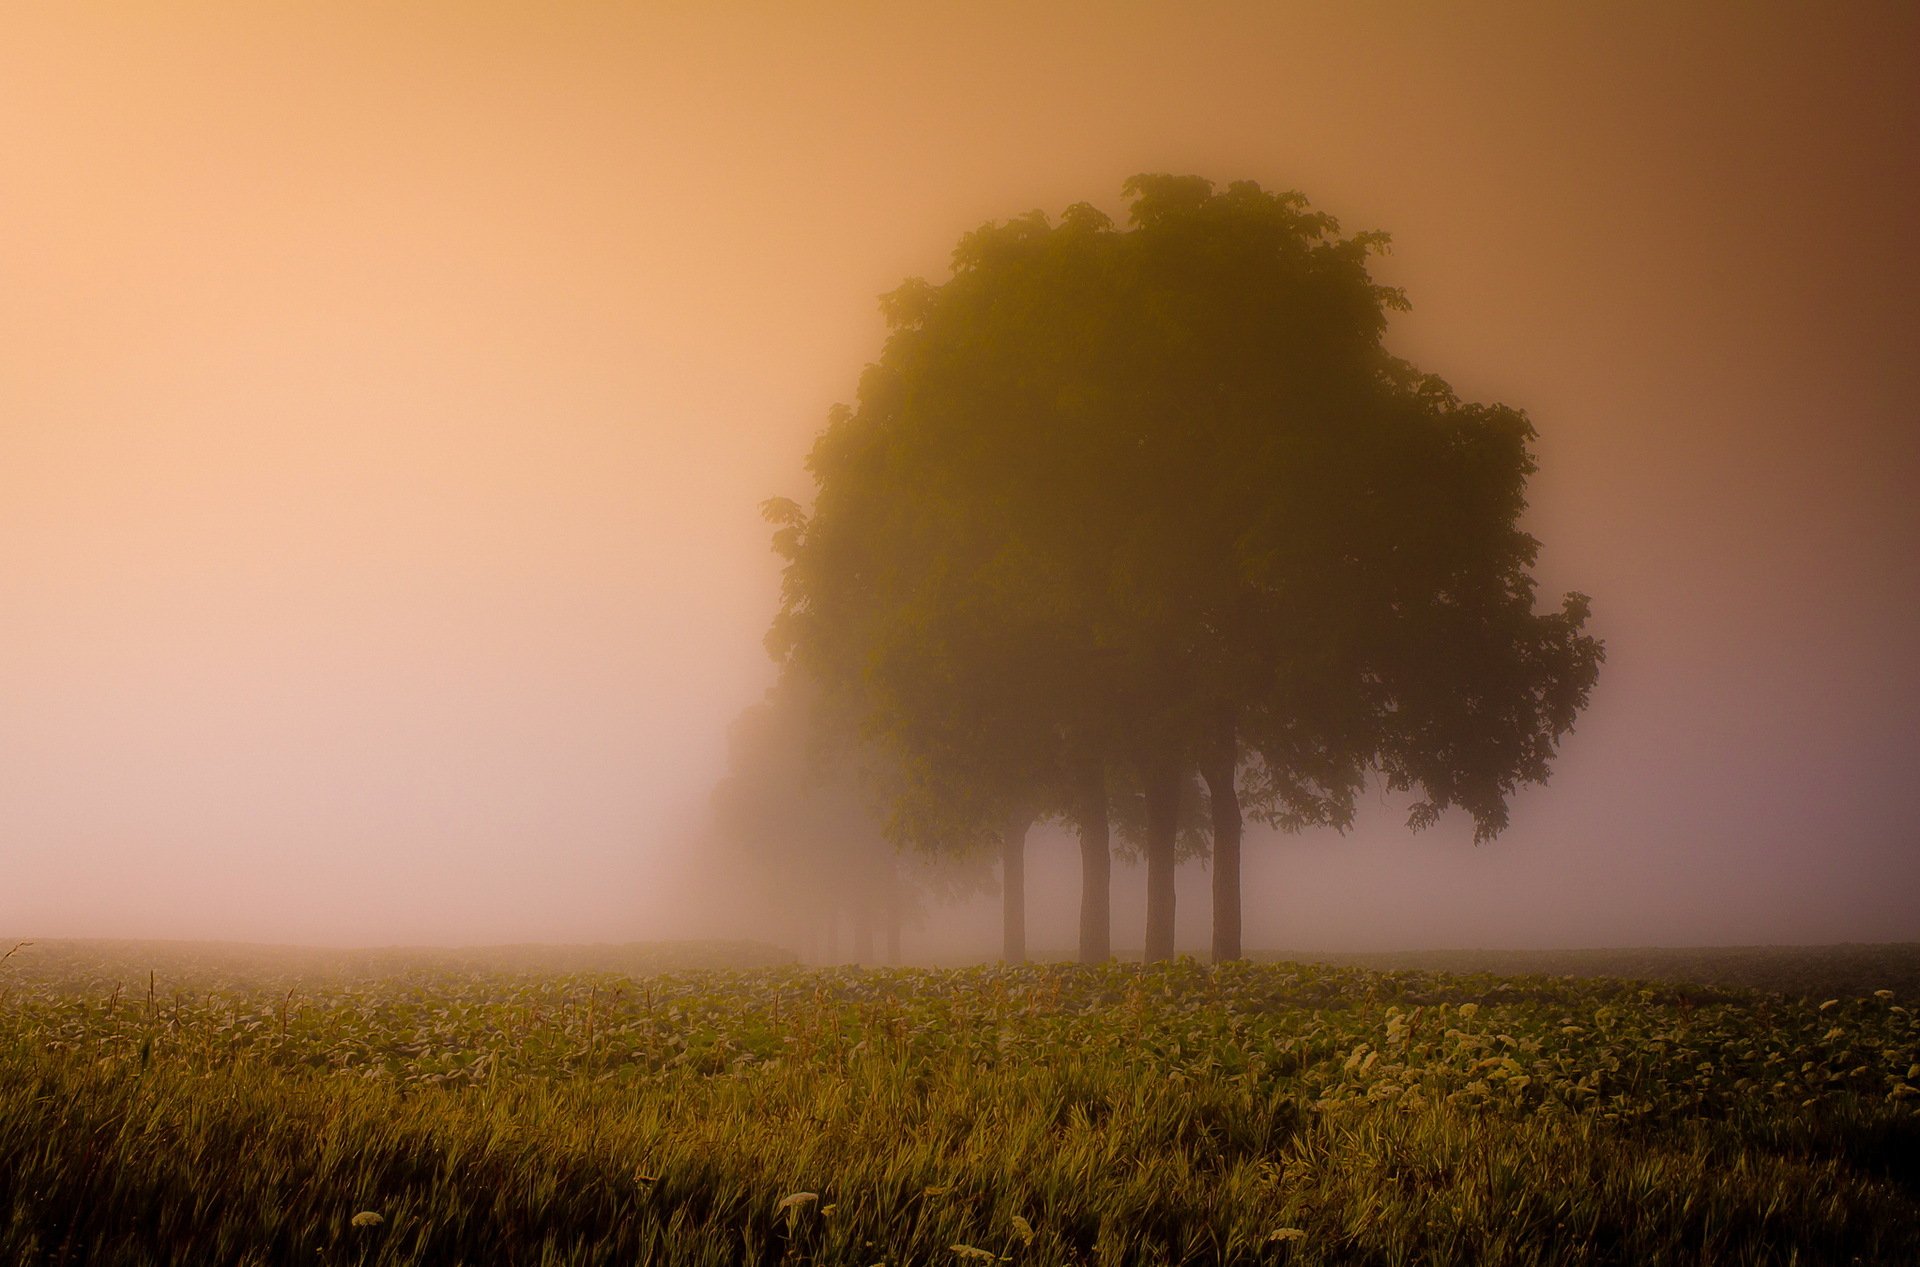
point(470, 1110)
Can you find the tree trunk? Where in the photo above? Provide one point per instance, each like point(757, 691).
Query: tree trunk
point(1013, 889)
point(1219, 772)
point(1096, 868)
point(833, 935)
point(1162, 778)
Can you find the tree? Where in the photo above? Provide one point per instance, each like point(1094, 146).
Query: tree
point(1157, 501)
point(873, 611)
point(800, 813)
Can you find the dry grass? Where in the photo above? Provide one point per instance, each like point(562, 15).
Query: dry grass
point(1277, 1113)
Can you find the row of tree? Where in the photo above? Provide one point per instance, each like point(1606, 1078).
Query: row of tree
point(1119, 510)
point(799, 831)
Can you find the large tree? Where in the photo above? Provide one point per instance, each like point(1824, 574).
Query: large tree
point(1148, 502)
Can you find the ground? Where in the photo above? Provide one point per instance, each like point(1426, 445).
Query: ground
point(621, 1106)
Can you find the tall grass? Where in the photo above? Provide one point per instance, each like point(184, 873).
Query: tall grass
point(1045, 1116)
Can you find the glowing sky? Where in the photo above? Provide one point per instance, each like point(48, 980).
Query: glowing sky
point(386, 393)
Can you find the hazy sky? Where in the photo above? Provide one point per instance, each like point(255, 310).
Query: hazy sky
point(386, 393)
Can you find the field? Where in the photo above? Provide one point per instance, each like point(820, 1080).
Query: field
point(599, 1107)
point(1820, 972)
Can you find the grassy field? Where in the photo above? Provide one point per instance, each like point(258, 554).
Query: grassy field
point(568, 1107)
point(1819, 972)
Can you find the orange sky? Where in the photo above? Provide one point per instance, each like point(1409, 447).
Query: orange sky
point(385, 396)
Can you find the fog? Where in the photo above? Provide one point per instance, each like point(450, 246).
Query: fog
point(387, 395)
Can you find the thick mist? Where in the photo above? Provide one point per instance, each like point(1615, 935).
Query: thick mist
point(387, 401)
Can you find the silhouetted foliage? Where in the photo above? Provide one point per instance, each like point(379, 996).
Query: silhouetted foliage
point(1134, 504)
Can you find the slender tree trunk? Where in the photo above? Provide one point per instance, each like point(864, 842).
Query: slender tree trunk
point(1219, 773)
point(1096, 868)
point(893, 911)
point(833, 934)
point(1162, 778)
point(863, 928)
point(1013, 888)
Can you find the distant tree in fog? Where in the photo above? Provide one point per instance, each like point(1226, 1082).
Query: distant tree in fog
point(974, 757)
point(799, 819)
point(1116, 507)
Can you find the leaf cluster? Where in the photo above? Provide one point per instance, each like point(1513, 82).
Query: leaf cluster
point(1142, 494)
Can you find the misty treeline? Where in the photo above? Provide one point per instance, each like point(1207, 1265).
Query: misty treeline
point(1131, 526)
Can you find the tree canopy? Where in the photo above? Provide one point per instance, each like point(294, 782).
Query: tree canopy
point(1135, 503)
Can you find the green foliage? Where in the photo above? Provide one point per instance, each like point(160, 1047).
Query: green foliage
point(1816, 972)
point(1159, 497)
point(1278, 1113)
